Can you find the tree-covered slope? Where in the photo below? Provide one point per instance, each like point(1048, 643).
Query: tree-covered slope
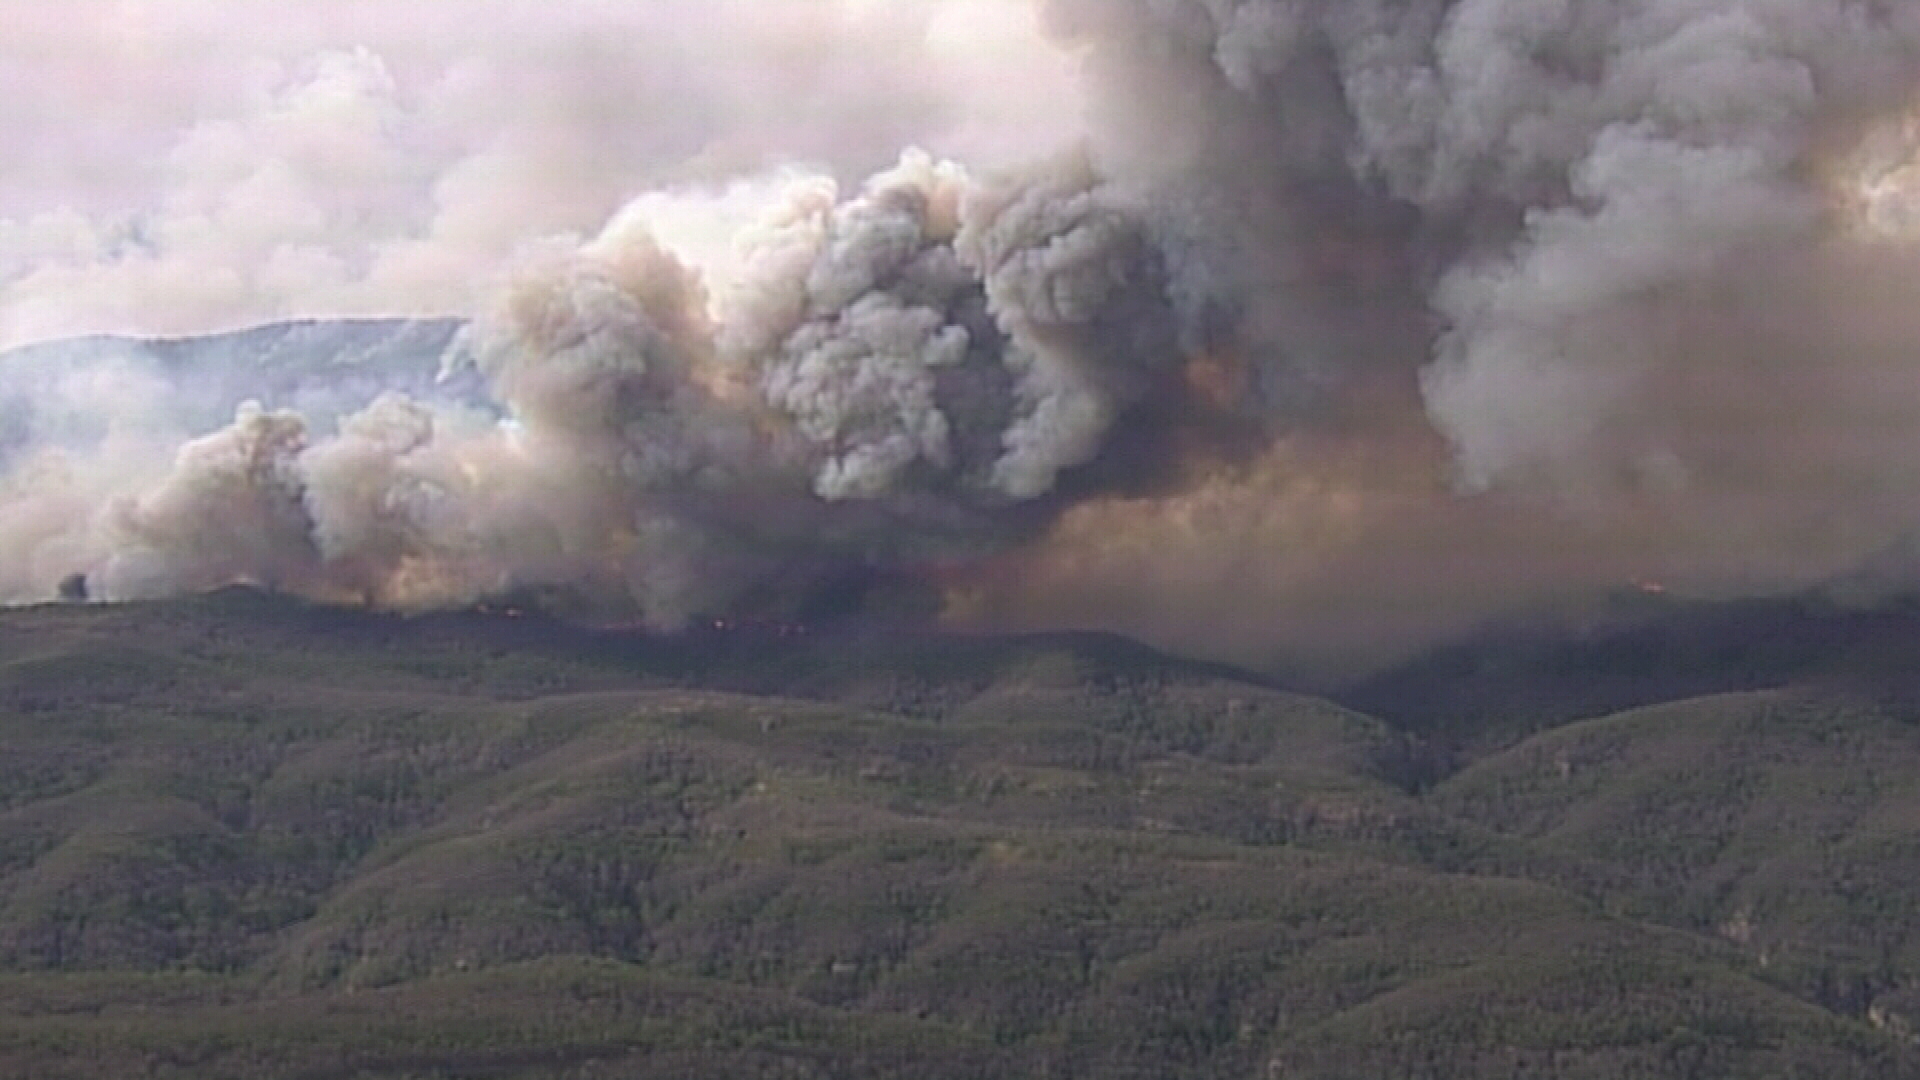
point(240, 837)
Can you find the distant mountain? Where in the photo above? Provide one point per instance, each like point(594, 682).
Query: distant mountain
point(75, 391)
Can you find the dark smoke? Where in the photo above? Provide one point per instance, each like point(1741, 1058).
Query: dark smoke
point(1539, 301)
point(1351, 324)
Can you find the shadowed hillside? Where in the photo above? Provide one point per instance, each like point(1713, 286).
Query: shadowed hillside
point(1499, 687)
point(241, 837)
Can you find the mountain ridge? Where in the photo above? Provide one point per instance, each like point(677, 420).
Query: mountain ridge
point(232, 822)
point(75, 391)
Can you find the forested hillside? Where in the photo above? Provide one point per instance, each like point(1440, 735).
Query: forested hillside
point(240, 837)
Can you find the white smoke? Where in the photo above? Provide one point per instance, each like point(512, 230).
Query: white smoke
point(1631, 281)
point(201, 166)
point(881, 377)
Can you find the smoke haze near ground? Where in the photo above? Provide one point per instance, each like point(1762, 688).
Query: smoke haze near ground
point(1257, 328)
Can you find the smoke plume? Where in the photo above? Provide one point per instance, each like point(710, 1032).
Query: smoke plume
point(1291, 327)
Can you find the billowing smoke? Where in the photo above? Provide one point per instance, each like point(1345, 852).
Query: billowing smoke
point(1329, 325)
point(887, 378)
point(1537, 299)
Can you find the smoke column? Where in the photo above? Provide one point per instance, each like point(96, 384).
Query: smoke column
point(1533, 299)
point(1323, 328)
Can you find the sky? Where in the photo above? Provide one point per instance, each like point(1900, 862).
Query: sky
point(181, 166)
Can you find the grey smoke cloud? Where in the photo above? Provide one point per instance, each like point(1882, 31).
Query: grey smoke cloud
point(1342, 324)
point(1617, 250)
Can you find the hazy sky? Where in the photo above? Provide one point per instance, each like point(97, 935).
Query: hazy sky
point(176, 166)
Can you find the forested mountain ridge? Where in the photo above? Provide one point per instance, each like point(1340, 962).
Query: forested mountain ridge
point(241, 836)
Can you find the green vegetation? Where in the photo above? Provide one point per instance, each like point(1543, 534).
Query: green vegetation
point(246, 838)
